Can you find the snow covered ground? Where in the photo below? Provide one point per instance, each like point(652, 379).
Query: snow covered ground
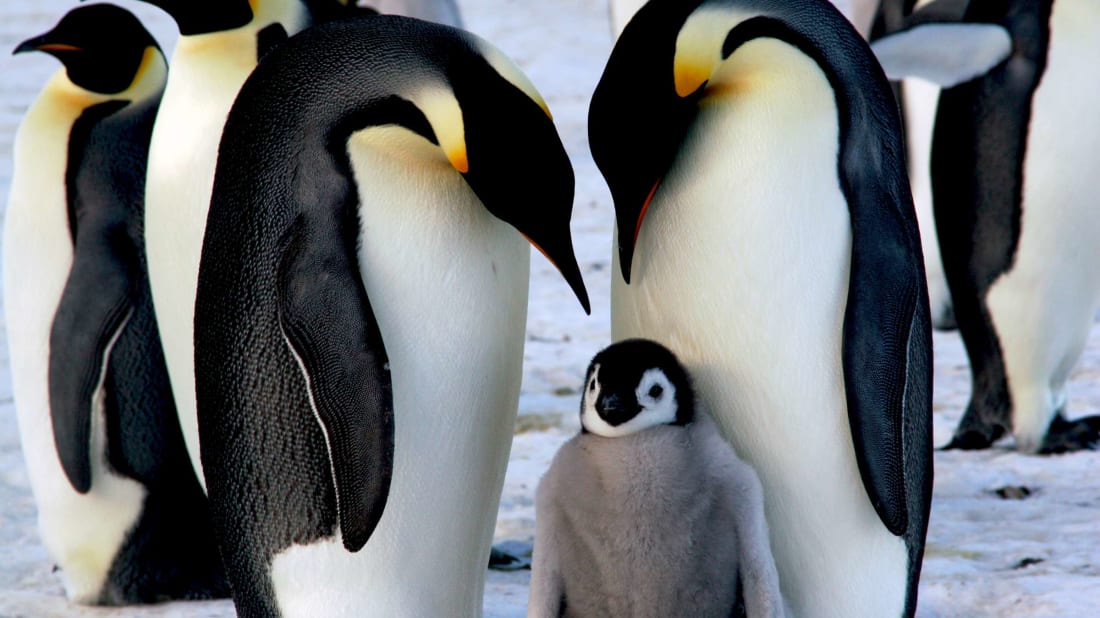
point(988, 555)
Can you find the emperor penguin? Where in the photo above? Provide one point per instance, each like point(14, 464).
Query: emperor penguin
point(766, 235)
point(220, 42)
point(119, 508)
point(1013, 162)
point(924, 58)
point(360, 318)
point(648, 511)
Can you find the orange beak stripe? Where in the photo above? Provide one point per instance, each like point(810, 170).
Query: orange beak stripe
point(49, 47)
point(541, 250)
point(645, 207)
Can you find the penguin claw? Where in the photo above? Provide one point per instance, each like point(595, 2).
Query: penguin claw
point(978, 429)
point(1065, 436)
point(973, 439)
point(510, 556)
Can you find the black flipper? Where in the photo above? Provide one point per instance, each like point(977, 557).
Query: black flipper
point(882, 307)
point(94, 307)
point(326, 316)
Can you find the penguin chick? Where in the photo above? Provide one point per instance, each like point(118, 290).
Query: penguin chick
point(648, 511)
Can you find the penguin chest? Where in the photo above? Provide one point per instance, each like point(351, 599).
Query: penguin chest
point(448, 285)
point(447, 281)
point(742, 260)
point(202, 85)
point(82, 532)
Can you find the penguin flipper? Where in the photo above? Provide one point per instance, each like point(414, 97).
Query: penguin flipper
point(886, 342)
point(95, 305)
point(946, 54)
point(335, 338)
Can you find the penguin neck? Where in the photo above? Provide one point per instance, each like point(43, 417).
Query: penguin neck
point(151, 76)
point(61, 96)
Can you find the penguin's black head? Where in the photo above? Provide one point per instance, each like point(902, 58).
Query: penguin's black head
point(671, 61)
point(102, 47)
point(206, 16)
point(632, 385)
point(500, 136)
point(637, 119)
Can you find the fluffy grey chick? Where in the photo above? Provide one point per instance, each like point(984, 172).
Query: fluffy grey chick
point(648, 511)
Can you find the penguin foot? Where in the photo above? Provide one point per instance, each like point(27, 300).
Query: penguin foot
point(977, 430)
point(974, 438)
point(510, 556)
point(1065, 436)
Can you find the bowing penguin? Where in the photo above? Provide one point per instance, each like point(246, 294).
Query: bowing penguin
point(359, 324)
point(766, 235)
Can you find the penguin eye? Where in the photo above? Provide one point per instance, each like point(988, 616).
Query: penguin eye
point(655, 391)
point(592, 386)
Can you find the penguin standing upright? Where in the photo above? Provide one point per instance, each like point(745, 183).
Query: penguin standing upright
point(119, 508)
point(1013, 162)
point(219, 45)
point(626, 506)
point(766, 235)
point(359, 324)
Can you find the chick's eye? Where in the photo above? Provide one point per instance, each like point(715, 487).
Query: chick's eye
point(592, 386)
point(655, 391)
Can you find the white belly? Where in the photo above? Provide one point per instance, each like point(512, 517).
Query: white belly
point(1044, 306)
point(448, 284)
point(742, 269)
point(202, 85)
point(81, 532)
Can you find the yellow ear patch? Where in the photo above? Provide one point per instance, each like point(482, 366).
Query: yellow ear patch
point(441, 109)
point(458, 159)
point(699, 46)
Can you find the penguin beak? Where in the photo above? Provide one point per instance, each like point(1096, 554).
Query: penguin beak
point(44, 44)
point(515, 162)
point(614, 410)
point(28, 46)
point(640, 81)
